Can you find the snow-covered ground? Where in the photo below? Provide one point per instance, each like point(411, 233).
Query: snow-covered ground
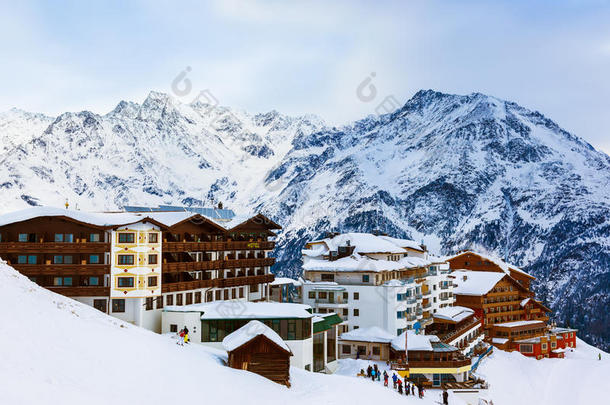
point(578, 379)
point(54, 350)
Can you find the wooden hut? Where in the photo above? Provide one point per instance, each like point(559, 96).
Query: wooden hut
point(259, 349)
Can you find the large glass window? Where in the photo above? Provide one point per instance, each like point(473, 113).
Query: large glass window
point(94, 281)
point(59, 237)
point(94, 237)
point(58, 259)
point(22, 259)
point(23, 237)
point(94, 259)
point(32, 259)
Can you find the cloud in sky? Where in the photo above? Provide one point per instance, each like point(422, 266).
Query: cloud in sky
point(309, 57)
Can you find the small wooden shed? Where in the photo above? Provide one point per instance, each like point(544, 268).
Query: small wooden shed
point(259, 349)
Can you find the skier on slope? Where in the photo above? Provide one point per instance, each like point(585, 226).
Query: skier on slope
point(394, 378)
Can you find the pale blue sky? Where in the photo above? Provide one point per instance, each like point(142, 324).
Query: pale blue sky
point(309, 57)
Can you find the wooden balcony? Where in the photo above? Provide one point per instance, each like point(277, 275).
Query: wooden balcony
point(439, 363)
point(81, 291)
point(179, 267)
point(54, 247)
point(218, 283)
point(62, 269)
point(173, 247)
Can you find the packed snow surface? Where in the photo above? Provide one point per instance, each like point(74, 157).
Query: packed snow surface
point(475, 282)
point(372, 334)
point(455, 313)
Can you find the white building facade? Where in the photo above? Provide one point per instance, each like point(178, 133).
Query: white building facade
point(374, 280)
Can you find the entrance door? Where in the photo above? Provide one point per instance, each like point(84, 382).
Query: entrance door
point(100, 305)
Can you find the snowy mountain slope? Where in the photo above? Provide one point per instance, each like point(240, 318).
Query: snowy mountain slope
point(462, 171)
point(56, 350)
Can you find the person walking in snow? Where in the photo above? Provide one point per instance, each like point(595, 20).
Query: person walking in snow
point(400, 387)
point(186, 337)
point(385, 379)
point(407, 387)
point(373, 375)
point(420, 390)
point(445, 397)
point(413, 389)
point(394, 378)
point(181, 336)
point(369, 369)
point(599, 356)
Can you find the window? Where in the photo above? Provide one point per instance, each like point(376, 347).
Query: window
point(152, 259)
point(553, 345)
point(58, 281)
point(22, 259)
point(125, 259)
point(31, 259)
point(94, 280)
point(125, 282)
point(67, 259)
point(400, 314)
point(346, 349)
point(225, 294)
point(209, 297)
point(327, 277)
point(356, 296)
point(58, 259)
point(153, 238)
point(173, 328)
point(322, 295)
point(198, 297)
point(356, 312)
point(311, 295)
point(169, 300)
point(189, 298)
point(544, 346)
point(178, 299)
point(152, 281)
point(118, 305)
point(253, 288)
point(345, 296)
point(159, 302)
point(100, 305)
point(149, 303)
point(126, 237)
point(376, 351)
point(218, 295)
point(23, 237)
point(365, 278)
point(241, 292)
point(345, 311)
point(526, 348)
point(94, 237)
point(94, 259)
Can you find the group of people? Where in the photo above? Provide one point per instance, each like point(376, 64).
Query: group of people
point(184, 336)
point(408, 388)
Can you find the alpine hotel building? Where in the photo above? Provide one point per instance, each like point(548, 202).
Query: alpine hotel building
point(131, 264)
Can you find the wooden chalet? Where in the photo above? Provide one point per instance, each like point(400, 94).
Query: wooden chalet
point(257, 348)
point(469, 260)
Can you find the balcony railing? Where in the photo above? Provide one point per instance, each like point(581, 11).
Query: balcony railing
point(217, 283)
point(216, 246)
point(179, 267)
point(81, 291)
point(54, 247)
point(439, 363)
point(62, 269)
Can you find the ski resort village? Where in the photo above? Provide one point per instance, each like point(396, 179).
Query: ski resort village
point(368, 308)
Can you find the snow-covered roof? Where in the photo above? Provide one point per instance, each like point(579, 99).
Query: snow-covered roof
point(357, 262)
point(285, 280)
point(454, 314)
point(248, 332)
point(499, 341)
point(93, 218)
point(169, 218)
point(373, 334)
point(414, 341)
point(563, 330)
point(515, 324)
point(363, 242)
point(475, 282)
point(525, 301)
point(506, 267)
point(315, 251)
point(403, 243)
point(245, 310)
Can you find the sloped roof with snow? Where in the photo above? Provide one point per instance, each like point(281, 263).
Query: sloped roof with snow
point(250, 331)
point(476, 282)
point(403, 243)
point(102, 219)
point(414, 341)
point(284, 281)
point(515, 324)
point(357, 262)
point(245, 310)
point(363, 242)
point(373, 334)
point(506, 267)
point(454, 314)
